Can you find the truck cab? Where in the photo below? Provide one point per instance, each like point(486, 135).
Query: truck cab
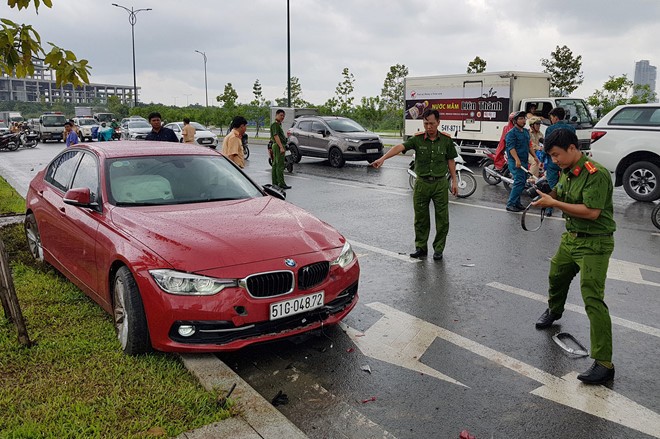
point(51, 126)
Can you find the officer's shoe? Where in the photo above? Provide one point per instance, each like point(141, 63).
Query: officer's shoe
point(596, 374)
point(545, 321)
point(419, 253)
point(437, 256)
point(286, 186)
point(514, 208)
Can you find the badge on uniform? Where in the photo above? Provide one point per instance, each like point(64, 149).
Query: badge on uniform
point(576, 171)
point(590, 167)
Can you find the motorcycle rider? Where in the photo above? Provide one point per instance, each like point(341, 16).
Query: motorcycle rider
point(518, 148)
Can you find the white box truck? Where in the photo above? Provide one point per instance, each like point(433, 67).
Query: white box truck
point(474, 107)
point(83, 111)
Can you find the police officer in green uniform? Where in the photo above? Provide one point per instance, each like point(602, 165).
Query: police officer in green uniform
point(279, 141)
point(434, 157)
point(584, 195)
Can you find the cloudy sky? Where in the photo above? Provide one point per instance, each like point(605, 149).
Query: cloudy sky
point(246, 40)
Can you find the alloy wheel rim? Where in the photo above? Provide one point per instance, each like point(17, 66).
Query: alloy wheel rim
point(121, 320)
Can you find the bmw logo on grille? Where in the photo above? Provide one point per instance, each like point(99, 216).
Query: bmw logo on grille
point(290, 262)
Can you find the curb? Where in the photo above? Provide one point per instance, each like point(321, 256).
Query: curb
point(258, 418)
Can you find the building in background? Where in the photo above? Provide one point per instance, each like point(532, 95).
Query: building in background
point(41, 87)
point(645, 74)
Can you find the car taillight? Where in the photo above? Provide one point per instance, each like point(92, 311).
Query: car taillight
point(595, 135)
point(288, 133)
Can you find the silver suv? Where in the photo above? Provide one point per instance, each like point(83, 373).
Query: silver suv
point(627, 142)
point(336, 138)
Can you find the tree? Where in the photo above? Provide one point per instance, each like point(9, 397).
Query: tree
point(343, 92)
point(369, 112)
point(21, 47)
point(117, 108)
point(228, 97)
point(477, 65)
point(565, 71)
point(297, 100)
point(258, 94)
point(391, 96)
point(618, 91)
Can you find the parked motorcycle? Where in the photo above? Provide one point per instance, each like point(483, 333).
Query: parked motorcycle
point(467, 184)
point(10, 141)
point(246, 149)
point(289, 159)
point(28, 139)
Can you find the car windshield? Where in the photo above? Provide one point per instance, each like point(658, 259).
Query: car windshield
point(139, 124)
point(83, 122)
point(198, 126)
point(53, 121)
point(160, 180)
point(345, 126)
point(576, 112)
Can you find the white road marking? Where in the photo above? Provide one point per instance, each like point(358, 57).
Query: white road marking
point(650, 330)
point(383, 252)
point(630, 272)
point(399, 338)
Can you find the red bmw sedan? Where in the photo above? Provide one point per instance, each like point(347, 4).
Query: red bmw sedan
point(184, 250)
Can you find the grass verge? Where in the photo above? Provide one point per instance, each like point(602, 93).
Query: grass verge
point(75, 382)
point(10, 200)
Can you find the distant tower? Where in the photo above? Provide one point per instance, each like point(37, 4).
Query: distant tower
point(645, 74)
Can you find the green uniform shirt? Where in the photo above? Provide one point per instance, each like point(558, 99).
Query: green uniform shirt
point(588, 183)
point(276, 130)
point(431, 155)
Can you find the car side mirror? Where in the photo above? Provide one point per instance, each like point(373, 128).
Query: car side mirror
point(322, 132)
point(80, 197)
point(274, 191)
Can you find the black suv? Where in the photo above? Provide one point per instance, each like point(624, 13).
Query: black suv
point(336, 138)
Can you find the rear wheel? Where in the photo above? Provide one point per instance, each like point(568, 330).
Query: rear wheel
point(411, 181)
point(289, 166)
point(336, 158)
point(128, 314)
point(467, 184)
point(13, 146)
point(246, 152)
point(641, 181)
point(33, 237)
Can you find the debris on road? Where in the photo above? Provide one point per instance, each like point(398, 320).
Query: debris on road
point(364, 401)
point(366, 368)
point(280, 399)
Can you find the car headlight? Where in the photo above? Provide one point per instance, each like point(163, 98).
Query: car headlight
point(176, 282)
point(345, 257)
point(349, 140)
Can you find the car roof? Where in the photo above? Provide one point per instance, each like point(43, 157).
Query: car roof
point(127, 148)
point(321, 117)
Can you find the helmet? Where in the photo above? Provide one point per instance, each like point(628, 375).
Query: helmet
point(534, 119)
point(519, 114)
point(511, 116)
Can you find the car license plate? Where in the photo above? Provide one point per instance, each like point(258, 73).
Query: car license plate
point(207, 140)
point(296, 306)
point(370, 150)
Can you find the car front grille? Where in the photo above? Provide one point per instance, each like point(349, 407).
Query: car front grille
point(270, 284)
point(205, 140)
point(222, 332)
point(311, 275)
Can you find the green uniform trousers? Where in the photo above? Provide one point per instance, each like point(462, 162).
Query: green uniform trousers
point(425, 192)
point(590, 256)
point(278, 166)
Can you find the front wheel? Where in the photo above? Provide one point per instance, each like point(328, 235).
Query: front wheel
point(13, 146)
point(246, 152)
point(655, 216)
point(336, 158)
point(289, 166)
point(411, 181)
point(33, 237)
point(467, 184)
point(488, 177)
point(128, 314)
point(295, 153)
point(641, 181)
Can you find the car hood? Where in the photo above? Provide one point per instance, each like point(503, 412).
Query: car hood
point(366, 135)
point(139, 130)
point(197, 237)
point(204, 133)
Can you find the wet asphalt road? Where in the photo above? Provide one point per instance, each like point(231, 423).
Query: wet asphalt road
point(460, 350)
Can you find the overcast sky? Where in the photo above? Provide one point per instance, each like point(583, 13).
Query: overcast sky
point(246, 40)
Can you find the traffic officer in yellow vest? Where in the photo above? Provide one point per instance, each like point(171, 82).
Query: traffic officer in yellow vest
point(434, 157)
point(584, 195)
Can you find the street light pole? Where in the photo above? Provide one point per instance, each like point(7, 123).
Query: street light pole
point(187, 95)
point(288, 54)
point(132, 20)
point(206, 87)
